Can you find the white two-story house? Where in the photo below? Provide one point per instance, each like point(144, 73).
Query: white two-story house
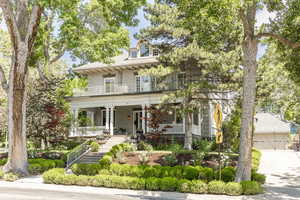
point(117, 97)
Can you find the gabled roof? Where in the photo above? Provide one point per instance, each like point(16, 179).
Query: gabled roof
point(269, 123)
point(119, 63)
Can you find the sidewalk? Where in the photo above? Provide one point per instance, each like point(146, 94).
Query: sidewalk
point(35, 183)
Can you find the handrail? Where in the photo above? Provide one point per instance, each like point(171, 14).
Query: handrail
point(77, 153)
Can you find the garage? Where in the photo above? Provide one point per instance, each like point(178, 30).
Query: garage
point(271, 132)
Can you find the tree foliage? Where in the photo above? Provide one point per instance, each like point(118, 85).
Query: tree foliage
point(288, 25)
point(173, 32)
point(276, 91)
point(48, 116)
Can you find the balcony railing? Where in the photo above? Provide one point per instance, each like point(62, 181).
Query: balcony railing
point(116, 89)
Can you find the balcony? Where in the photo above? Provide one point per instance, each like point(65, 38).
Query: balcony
point(116, 89)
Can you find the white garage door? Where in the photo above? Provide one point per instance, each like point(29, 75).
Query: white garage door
point(271, 141)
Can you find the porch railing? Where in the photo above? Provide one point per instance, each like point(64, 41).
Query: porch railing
point(77, 153)
point(101, 90)
point(87, 131)
point(172, 128)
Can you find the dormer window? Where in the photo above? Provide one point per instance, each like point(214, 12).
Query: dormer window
point(133, 53)
point(144, 50)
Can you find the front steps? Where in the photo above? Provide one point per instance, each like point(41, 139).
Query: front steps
point(94, 157)
point(91, 158)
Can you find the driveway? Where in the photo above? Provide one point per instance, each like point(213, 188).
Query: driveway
point(282, 168)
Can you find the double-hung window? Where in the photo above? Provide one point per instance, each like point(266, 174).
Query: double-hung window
point(109, 84)
point(143, 83)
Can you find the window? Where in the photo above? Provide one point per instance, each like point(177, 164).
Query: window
point(103, 119)
point(144, 50)
point(133, 53)
point(143, 83)
point(181, 80)
point(109, 84)
point(137, 83)
point(196, 118)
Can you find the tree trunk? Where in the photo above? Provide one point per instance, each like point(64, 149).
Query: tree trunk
point(249, 92)
point(17, 152)
point(188, 137)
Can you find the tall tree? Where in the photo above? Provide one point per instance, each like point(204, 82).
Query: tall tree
point(25, 20)
point(182, 52)
point(243, 14)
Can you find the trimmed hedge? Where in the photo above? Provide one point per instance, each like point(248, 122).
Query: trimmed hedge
point(11, 177)
point(251, 187)
point(58, 176)
point(216, 187)
point(40, 165)
point(179, 172)
point(258, 177)
point(233, 189)
point(86, 169)
point(144, 171)
point(256, 156)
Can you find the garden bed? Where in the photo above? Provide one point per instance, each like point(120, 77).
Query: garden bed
point(154, 157)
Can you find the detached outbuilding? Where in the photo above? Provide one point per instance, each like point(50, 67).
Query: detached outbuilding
point(270, 132)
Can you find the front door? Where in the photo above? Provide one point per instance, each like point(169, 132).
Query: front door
point(137, 121)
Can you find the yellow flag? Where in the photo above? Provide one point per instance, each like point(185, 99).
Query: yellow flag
point(218, 116)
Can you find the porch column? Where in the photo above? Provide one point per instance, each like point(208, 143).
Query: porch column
point(148, 115)
point(111, 120)
point(143, 118)
point(75, 122)
point(199, 121)
point(107, 118)
point(183, 124)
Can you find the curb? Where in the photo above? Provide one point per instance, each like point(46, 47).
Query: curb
point(138, 194)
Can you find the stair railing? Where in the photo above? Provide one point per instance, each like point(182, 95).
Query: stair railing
point(77, 153)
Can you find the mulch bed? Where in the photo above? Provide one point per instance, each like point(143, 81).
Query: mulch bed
point(155, 158)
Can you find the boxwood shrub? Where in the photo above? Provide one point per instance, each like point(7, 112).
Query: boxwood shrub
point(216, 187)
point(168, 184)
point(40, 165)
point(233, 189)
point(152, 183)
point(228, 174)
point(199, 187)
point(251, 187)
point(258, 177)
point(94, 146)
point(86, 169)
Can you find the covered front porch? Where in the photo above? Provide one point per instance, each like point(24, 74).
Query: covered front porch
point(120, 120)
